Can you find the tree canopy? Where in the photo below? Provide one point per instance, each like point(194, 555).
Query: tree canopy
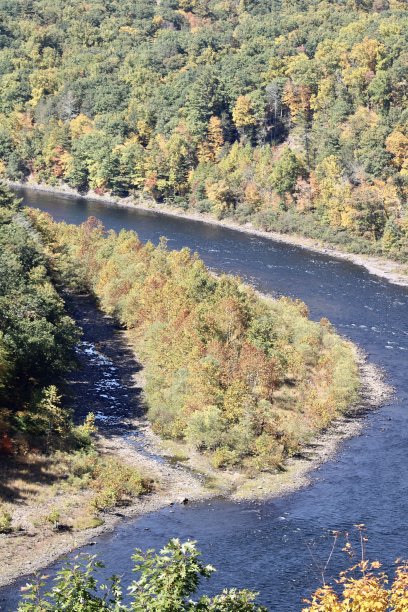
point(241, 378)
point(37, 337)
point(290, 114)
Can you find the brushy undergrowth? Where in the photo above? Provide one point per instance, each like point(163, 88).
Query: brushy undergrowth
point(112, 481)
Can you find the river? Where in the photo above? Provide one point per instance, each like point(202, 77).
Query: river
point(276, 547)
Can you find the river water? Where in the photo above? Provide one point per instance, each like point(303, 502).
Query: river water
point(276, 547)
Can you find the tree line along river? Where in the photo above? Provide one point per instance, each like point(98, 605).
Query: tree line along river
point(275, 547)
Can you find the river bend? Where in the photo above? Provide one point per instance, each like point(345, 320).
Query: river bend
point(275, 547)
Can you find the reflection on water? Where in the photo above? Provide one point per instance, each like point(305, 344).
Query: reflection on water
point(276, 547)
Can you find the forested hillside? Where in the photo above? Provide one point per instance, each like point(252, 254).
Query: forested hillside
point(288, 113)
point(37, 339)
point(244, 379)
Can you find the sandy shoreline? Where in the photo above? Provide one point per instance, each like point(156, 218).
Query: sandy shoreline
point(393, 271)
point(188, 481)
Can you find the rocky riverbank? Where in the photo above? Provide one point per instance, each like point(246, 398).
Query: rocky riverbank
point(393, 271)
point(109, 382)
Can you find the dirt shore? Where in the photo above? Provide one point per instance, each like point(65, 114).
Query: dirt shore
point(28, 552)
point(193, 480)
point(393, 271)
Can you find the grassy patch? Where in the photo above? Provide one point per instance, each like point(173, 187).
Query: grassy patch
point(67, 490)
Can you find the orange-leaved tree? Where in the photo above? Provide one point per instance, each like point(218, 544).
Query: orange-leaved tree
point(364, 587)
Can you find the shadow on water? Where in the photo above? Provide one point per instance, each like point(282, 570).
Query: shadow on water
point(276, 547)
point(105, 380)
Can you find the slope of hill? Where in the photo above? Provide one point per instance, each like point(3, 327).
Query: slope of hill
point(287, 113)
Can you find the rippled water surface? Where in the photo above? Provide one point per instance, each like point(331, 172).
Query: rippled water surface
point(276, 547)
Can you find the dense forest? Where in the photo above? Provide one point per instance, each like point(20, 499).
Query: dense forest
point(285, 113)
point(242, 378)
point(37, 338)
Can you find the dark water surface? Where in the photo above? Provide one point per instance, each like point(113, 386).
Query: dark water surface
point(275, 547)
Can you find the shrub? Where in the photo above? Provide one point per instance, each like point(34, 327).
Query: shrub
point(223, 457)
point(166, 582)
point(205, 428)
point(54, 518)
point(5, 521)
point(362, 587)
point(83, 434)
point(116, 483)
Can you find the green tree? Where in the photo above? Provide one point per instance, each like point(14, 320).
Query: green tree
point(166, 582)
point(286, 170)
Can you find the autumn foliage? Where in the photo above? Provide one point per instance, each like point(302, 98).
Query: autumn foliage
point(364, 587)
point(370, 591)
point(288, 114)
point(242, 378)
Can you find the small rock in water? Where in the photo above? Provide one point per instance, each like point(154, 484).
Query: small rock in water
point(185, 501)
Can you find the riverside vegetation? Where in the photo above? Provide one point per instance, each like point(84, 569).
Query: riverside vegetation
point(285, 113)
point(243, 379)
point(166, 582)
point(42, 452)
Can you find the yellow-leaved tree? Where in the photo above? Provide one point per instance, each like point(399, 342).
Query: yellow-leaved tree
point(397, 145)
point(243, 112)
point(332, 191)
point(210, 149)
point(364, 587)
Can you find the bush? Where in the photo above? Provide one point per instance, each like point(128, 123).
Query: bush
point(5, 521)
point(83, 434)
point(116, 483)
point(364, 586)
point(54, 518)
point(205, 428)
point(223, 457)
point(166, 582)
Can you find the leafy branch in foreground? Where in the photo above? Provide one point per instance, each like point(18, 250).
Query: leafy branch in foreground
point(165, 582)
point(363, 586)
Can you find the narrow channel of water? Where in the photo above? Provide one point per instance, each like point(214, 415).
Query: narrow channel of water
point(276, 547)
